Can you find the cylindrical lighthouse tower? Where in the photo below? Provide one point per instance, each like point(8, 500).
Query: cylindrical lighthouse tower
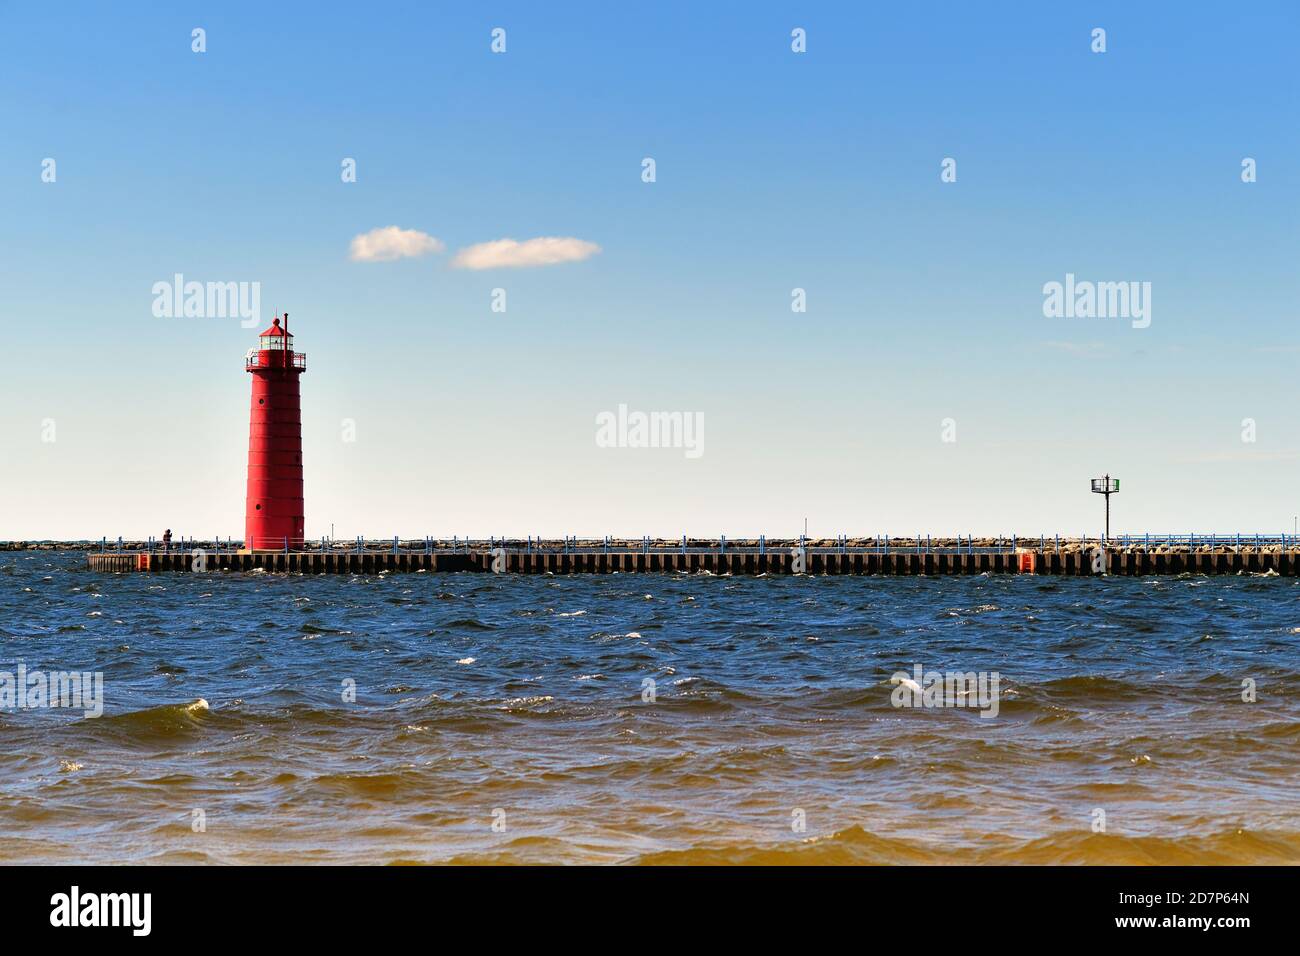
point(273, 514)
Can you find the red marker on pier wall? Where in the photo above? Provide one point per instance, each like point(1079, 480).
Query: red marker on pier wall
point(273, 515)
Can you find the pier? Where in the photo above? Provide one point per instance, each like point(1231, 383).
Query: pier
point(958, 556)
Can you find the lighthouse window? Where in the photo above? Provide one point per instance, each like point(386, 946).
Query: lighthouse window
point(259, 507)
point(261, 401)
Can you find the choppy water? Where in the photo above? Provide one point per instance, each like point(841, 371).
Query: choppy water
point(524, 695)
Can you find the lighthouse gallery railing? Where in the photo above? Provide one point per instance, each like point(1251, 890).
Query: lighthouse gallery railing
point(254, 361)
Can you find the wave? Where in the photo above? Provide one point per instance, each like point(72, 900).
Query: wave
point(1095, 688)
point(467, 623)
point(166, 720)
point(856, 846)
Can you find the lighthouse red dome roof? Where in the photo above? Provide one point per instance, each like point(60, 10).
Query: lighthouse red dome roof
point(275, 328)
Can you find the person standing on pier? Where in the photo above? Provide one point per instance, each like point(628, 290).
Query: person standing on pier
point(167, 540)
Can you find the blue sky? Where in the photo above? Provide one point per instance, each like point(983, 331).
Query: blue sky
point(775, 170)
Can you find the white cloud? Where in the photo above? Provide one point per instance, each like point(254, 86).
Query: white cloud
point(390, 242)
point(512, 254)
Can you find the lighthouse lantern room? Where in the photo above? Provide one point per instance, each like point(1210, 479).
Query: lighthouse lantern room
point(273, 513)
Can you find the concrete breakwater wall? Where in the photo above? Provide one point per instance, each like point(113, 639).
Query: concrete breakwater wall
point(772, 560)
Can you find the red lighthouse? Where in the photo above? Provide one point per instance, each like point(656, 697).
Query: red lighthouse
point(273, 515)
